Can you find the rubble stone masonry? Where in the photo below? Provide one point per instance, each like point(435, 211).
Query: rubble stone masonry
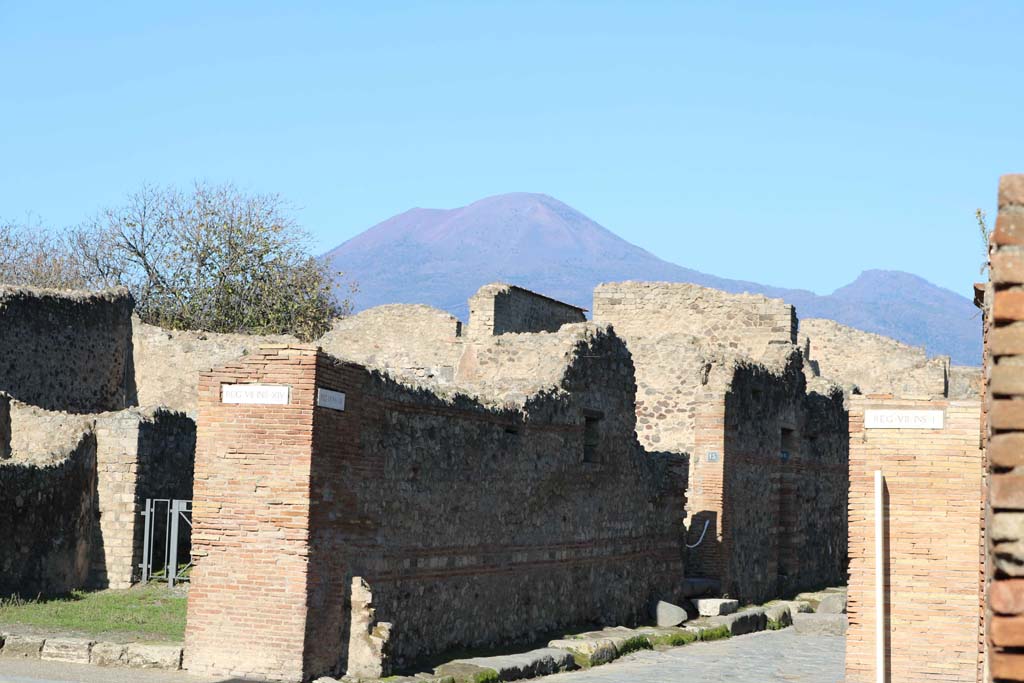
point(932, 532)
point(499, 309)
point(473, 521)
point(65, 350)
point(721, 380)
point(876, 364)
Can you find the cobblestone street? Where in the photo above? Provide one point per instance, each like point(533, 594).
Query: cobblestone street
point(764, 657)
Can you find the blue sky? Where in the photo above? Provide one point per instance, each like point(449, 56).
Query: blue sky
point(794, 144)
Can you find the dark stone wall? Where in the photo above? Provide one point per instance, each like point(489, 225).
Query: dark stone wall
point(476, 525)
point(67, 351)
point(784, 484)
point(48, 516)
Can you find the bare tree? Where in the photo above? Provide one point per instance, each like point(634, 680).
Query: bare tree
point(31, 255)
point(212, 259)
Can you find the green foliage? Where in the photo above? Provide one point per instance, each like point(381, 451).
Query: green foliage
point(488, 676)
point(775, 625)
point(675, 639)
point(633, 644)
point(716, 633)
point(153, 612)
point(986, 234)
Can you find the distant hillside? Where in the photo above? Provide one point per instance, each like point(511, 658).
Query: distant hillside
point(440, 257)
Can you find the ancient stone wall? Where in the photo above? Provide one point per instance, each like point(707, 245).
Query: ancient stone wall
point(876, 364)
point(472, 521)
point(47, 513)
point(720, 378)
point(411, 340)
point(1004, 364)
point(931, 538)
point(140, 454)
point(65, 350)
point(167, 363)
point(964, 382)
point(499, 309)
point(744, 323)
point(769, 473)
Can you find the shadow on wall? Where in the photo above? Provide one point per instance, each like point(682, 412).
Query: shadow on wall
point(59, 498)
point(141, 455)
point(702, 548)
point(785, 483)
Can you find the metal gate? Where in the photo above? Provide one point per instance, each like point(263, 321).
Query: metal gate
point(166, 540)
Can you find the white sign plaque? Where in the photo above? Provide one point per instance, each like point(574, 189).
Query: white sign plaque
point(327, 398)
point(903, 419)
point(259, 394)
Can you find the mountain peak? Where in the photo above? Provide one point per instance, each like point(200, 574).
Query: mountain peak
point(441, 256)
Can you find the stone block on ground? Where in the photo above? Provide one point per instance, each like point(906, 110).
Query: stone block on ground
point(799, 606)
point(22, 646)
point(820, 624)
point(107, 654)
point(745, 621)
point(667, 614)
point(832, 603)
point(67, 650)
point(141, 656)
point(714, 607)
point(588, 651)
point(514, 667)
point(779, 614)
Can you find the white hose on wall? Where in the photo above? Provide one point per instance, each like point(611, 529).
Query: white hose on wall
point(707, 522)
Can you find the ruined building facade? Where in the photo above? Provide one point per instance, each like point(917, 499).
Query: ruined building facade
point(460, 485)
point(720, 378)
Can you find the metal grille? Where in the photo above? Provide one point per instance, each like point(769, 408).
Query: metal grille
point(167, 540)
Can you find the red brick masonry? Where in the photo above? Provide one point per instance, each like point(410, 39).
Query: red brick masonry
point(933, 526)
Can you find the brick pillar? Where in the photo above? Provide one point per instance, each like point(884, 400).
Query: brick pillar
point(118, 549)
point(704, 493)
point(933, 495)
point(1005, 403)
point(247, 609)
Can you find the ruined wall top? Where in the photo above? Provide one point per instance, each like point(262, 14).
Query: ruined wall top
point(512, 367)
point(65, 350)
point(873, 363)
point(747, 323)
point(167, 363)
point(412, 340)
point(499, 308)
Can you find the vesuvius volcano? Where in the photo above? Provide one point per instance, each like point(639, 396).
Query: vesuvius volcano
point(441, 256)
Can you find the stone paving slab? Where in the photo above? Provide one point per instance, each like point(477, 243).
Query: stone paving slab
point(767, 657)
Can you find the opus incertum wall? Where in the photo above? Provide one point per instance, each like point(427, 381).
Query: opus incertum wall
point(929, 454)
point(469, 523)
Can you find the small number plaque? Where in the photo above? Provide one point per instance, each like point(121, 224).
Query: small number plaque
point(327, 398)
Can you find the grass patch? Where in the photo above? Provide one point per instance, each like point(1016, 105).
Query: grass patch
point(716, 633)
point(633, 644)
point(151, 612)
point(775, 625)
point(675, 639)
point(488, 676)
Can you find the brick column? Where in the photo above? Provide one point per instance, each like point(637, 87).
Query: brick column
point(247, 608)
point(119, 545)
point(932, 529)
point(1005, 402)
point(704, 494)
